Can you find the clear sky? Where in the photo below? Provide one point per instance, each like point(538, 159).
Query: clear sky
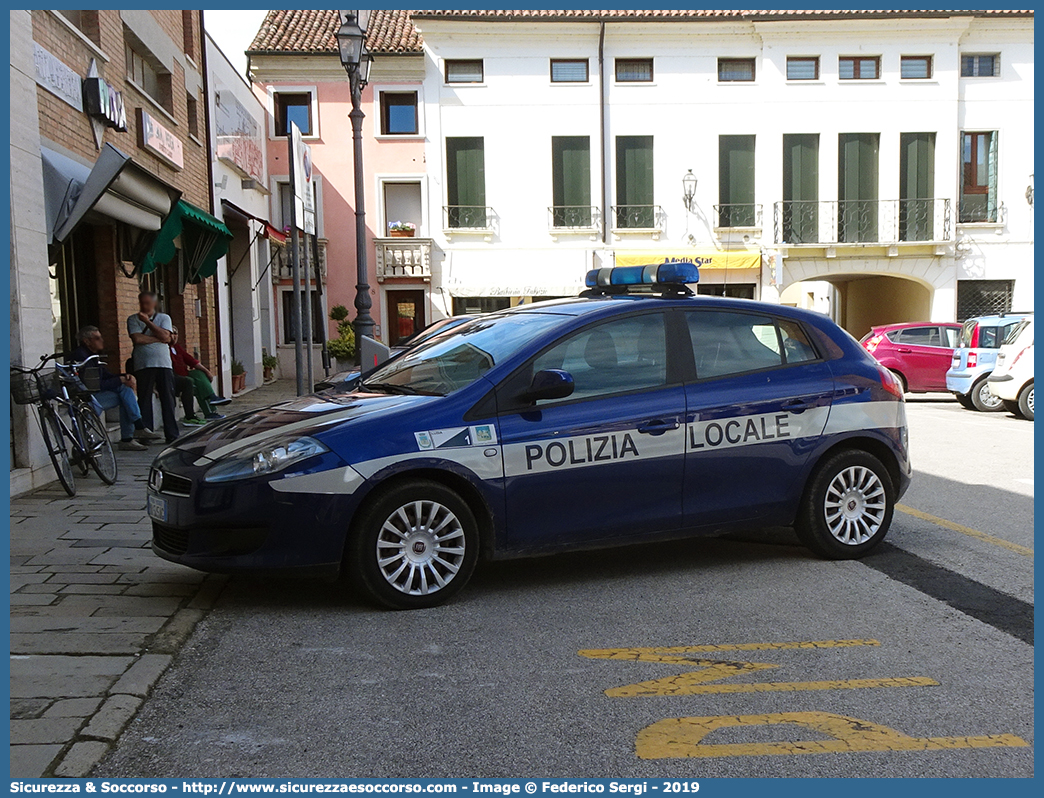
point(233, 31)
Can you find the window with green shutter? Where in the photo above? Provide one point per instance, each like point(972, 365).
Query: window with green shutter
point(634, 182)
point(571, 181)
point(466, 182)
point(857, 187)
point(800, 211)
point(916, 186)
point(736, 181)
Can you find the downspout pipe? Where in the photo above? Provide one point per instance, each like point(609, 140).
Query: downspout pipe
point(601, 129)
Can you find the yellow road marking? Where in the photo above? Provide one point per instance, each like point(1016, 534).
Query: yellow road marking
point(683, 737)
point(965, 530)
point(664, 653)
point(678, 685)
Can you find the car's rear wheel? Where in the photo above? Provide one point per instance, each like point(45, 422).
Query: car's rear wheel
point(1012, 407)
point(414, 546)
point(1026, 402)
point(902, 380)
point(985, 400)
point(848, 506)
point(964, 400)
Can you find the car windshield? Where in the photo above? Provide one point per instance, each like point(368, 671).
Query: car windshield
point(1016, 331)
point(457, 358)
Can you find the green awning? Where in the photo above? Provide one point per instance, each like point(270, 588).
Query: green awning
point(204, 239)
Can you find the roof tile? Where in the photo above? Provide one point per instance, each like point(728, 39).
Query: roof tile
point(301, 31)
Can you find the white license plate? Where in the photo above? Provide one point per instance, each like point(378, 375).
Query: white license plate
point(158, 508)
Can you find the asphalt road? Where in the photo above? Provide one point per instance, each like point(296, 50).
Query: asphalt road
point(926, 644)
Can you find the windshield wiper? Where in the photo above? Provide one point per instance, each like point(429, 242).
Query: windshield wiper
point(391, 387)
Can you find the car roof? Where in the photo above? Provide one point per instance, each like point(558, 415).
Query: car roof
point(998, 318)
point(582, 306)
point(907, 324)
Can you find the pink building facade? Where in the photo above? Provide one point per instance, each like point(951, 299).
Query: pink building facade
point(296, 72)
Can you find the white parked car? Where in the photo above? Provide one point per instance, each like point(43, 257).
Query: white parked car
point(1012, 379)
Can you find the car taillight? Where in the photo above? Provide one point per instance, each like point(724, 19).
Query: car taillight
point(973, 360)
point(890, 382)
point(872, 344)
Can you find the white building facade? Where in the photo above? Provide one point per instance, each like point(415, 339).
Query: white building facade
point(238, 121)
point(875, 165)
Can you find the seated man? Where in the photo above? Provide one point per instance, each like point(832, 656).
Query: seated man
point(116, 391)
point(192, 379)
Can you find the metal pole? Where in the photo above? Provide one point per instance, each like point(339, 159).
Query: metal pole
point(319, 292)
point(306, 315)
point(299, 345)
point(363, 320)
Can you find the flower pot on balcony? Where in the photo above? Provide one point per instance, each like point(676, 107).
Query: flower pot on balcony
point(401, 233)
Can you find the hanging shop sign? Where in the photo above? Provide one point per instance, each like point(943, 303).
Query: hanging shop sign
point(155, 138)
point(239, 136)
point(60, 80)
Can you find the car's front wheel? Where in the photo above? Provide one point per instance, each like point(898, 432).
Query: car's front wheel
point(415, 546)
point(848, 506)
point(1026, 402)
point(983, 399)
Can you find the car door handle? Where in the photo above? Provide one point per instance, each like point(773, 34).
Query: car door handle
point(658, 426)
point(796, 405)
point(903, 350)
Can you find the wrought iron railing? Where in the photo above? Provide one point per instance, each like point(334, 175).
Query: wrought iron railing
point(862, 221)
point(467, 217)
point(738, 214)
point(638, 217)
point(573, 217)
point(403, 257)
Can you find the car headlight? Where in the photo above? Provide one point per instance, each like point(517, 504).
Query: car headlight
point(265, 458)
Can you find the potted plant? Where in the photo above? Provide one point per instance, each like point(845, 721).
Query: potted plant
point(269, 363)
point(343, 346)
point(402, 229)
point(238, 376)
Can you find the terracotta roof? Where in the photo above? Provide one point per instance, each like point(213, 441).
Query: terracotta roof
point(300, 31)
point(640, 14)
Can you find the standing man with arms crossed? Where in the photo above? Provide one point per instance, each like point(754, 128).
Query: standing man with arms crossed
point(150, 332)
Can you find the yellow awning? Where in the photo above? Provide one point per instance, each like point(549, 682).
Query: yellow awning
point(704, 260)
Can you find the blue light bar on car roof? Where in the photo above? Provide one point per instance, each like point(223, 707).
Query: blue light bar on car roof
point(653, 274)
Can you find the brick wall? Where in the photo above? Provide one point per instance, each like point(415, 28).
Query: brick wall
point(65, 126)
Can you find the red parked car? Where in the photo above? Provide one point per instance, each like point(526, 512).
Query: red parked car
point(919, 353)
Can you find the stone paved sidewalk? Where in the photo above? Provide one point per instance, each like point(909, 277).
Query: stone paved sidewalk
point(96, 617)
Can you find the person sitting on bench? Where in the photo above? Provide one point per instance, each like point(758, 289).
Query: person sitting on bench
point(192, 380)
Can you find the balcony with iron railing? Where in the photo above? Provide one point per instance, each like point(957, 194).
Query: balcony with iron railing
point(464, 218)
point(738, 215)
point(566, 219)
point(640, 219)
point(862, 222)
point(403, 258)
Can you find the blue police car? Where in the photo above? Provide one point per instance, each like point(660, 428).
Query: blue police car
point(634, 412)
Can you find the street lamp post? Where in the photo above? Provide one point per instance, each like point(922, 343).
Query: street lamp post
point(351, 38)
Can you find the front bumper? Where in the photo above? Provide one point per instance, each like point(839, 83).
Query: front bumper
point(244, 525)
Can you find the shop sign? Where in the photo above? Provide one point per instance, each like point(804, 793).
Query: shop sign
point(59, 79)
point(155, 138)
point(303, 185)
point(239, 136)
point(105, 103)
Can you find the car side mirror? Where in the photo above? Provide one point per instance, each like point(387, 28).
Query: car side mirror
point(549, 384)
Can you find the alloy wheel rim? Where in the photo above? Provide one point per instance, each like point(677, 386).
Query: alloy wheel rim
point(420, 548)
point(987, 397)
point(1029, 400)
point(854, 506)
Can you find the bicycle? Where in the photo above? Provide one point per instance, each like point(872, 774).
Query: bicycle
point(73, 433)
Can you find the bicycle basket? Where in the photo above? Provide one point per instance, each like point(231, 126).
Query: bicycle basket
point(25, 389)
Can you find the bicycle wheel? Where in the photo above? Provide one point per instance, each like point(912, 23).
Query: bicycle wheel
point(57, 448)
point(99, 447)
point(75, 435)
